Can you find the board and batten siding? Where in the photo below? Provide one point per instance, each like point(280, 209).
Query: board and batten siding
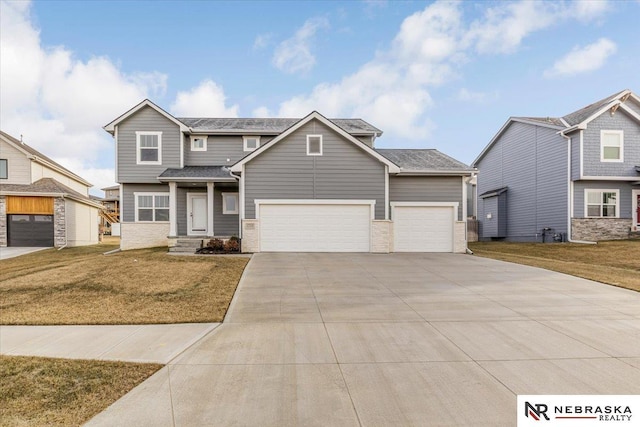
point(426, 189)
point(625, 195)
point(18, 165)
point(285, 171)
point(147, 119)
point(591, 145)
point(127, 209)
point(532, 162)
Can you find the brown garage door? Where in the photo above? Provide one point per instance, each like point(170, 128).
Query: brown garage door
point(30, 230)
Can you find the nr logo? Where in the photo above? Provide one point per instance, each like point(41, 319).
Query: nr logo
point(536, 411)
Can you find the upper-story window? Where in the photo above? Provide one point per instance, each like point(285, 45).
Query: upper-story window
point(602, 203)
point(314, 145)
point(4, 169)
point(149, 148)
point(198, 143)
point(251, 142)
point(611, 145)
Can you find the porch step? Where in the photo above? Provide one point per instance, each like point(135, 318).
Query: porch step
point(187, 246)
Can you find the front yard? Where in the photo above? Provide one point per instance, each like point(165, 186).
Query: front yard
point(616, 262)
point(83, 286)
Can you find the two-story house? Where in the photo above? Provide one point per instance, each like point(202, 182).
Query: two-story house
point(41, 202)
point(312, 184)
point(575, 177)
point(110, 215)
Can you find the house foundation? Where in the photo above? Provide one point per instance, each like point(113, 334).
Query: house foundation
point(596, 229)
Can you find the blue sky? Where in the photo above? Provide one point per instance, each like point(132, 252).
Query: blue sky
point(443, 75)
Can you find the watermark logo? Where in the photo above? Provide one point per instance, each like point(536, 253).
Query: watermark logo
point(578, 410)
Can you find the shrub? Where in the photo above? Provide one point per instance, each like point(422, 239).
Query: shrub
point(216, 244)
point(232, 245)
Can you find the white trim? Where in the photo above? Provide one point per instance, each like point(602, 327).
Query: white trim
point(634, 210)
point(598, 190)
point(581, 154)
point(259, 202)
point(150, 193)
point(465, 214)
point(435, 172)
point(210, 201)
point(115, 138)
point(609, 178)
point(441, 204)
point(225, 211)
point(146, 103)
point(309, 153)
point(190, 197)
point(192, 138)
point(386, 192)
point(173, 209)
point(620, 134)
point(245, 138)
point(393, 168)
point(631, 112)
point(144, 133)
point(181, 150)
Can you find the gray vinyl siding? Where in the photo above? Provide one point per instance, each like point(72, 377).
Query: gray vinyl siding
point(147, 119)
point(575, 156)
point(532, 162)
point(426, 189)
point(181, 207)
point(219, 149)
point(18, 165)
point(344, 171)
point(127, 209)
point(365, 139)
point(625, 188)
point(635, 106)
point(224, 225)
point(591, 143)
point(496, 226)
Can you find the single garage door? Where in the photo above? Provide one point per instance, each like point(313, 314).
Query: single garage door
point(314, 227)
point(30, 230)
point(423, 228)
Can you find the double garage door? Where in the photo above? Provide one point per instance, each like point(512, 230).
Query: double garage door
point(311, 226)
point(30, 230)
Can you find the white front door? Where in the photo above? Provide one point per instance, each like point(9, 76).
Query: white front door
point(635, 194)
point(196, 214)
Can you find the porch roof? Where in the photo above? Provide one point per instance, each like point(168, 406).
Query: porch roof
point(197, 174)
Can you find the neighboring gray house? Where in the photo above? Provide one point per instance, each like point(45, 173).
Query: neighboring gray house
point(575, 177)
point(312, 184)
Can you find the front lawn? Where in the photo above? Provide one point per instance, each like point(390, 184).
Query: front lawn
point(37, 391)
point(615, 262)
point(83, 286)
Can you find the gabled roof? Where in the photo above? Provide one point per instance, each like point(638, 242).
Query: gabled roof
point(37, 156)
point(268, 126)
point(47, 187)
point(110, 127)
point(393, 168)
point(191, 173)
point(584, 113)
point(424, 161)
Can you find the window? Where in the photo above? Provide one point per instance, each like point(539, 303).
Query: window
point(4, 169)
point(229, 203)
point(602, 203)
point(152, 207)
point(314, 145)
point(611, 146)
point(198, 143)
point(149, 148)
point(251, 142)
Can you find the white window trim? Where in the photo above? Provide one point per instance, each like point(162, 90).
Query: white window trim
point(6, 169)
point(144, 193)
point(246, 138)
point(138, 135)
point(321, 144)
point(225, 211)
point(204, 146)
point(616, 132)
point(586, 201)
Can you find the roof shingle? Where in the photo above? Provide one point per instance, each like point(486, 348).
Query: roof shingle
point(423, 160)
point(269, 125)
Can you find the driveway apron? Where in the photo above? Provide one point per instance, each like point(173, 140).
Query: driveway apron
point(394, 339)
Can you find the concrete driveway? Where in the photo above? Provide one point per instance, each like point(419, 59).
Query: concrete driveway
point(399, 339)
point(12, 252)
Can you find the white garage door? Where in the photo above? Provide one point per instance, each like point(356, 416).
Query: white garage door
point(423, 228)
point(314, 227)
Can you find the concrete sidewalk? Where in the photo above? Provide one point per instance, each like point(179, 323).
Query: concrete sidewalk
point(131, 343)
point(12, 252)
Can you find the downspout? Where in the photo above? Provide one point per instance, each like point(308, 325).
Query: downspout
point(570, 193)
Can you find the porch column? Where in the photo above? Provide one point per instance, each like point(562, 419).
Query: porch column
point(210, 187)
point(173, 209)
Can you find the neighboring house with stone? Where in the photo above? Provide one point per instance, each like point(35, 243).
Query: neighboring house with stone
point(110, 217)
point(41, 202)
point(575, 177)
point(282, 185)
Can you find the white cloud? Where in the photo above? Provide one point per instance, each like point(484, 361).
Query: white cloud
point(583, 59)
point(261, 112)
point(294, 54)
point(466, 95)
point(587, 10)
point(262, 41)
point(205, 100)
point(58, 102)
